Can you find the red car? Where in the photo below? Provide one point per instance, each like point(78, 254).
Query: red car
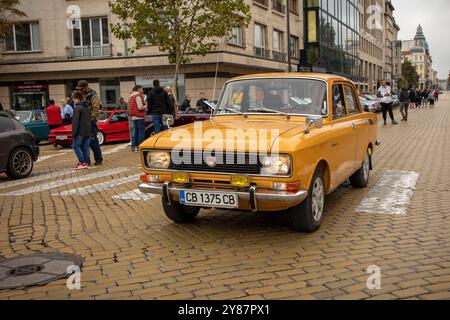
point(113, 126)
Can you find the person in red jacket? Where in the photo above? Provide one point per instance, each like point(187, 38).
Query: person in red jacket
point(137, 107)
point(53, 115)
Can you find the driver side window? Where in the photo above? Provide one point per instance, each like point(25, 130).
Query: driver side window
point(339, 110)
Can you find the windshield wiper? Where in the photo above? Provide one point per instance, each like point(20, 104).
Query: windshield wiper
point(231, 111)
point(264, 109)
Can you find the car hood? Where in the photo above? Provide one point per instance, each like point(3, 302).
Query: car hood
point(64, 129)
point(237, 133)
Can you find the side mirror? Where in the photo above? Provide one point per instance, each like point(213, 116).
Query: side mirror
point(168, 120)
point(317, 121)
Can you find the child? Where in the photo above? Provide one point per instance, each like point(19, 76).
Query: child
point(81, 131)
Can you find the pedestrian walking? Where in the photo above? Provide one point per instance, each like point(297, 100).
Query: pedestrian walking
point(186, 103)
point(419, 98)
point(173, 104)
point(158, 104)
point(436, 95)
point(385, 94)
point(137, 113)
point(93, 102)
point(81, 131)
point(431, 99)
point(404, 99)
point(412, 98)
point(53, 113)
point(67, 112)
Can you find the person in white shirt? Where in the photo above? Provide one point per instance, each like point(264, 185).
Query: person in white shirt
point(385, 95)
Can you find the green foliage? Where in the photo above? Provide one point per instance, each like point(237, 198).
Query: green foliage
point(410, 77)
point(180, 28)
point(8, 10)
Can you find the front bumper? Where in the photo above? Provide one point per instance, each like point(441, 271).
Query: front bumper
point(253, 199)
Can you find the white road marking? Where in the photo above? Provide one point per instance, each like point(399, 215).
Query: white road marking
point(98, 187)
point(116, 149)
point(35, 178)
point(60, 183)
point(43, 158)
point(392, 194)
point(135, 195)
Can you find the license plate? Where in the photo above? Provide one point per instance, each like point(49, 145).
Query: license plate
point(62, 138)
point(209, 199)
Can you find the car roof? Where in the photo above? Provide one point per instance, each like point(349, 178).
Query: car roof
point(306, 75)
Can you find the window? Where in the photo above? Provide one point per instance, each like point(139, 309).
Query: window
point(260, 40)
point(277, 38)
point(23, 37)
point(352, 106)
point(277, 5)
point(295, 50)
point(237, 37)
point(91, 38)
point(338, 102)
point(6, 124)
point(293, 6)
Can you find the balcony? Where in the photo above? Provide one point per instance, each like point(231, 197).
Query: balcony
point(279, 56)
point(262, 52)
point(91, 51)
point(278, 6)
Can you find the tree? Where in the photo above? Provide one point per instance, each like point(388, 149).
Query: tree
point(8, 10)
point(410, 77)
point(181, 28)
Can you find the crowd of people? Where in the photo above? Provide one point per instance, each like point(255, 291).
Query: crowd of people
point(409, 99)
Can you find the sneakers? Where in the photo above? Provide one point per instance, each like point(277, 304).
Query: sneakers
point(98, 163)
point(394, 122)
point(134, 149)
point(81, 166)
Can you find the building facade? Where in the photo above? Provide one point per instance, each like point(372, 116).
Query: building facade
point(46, 56)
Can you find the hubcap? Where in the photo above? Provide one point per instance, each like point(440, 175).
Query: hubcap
point(22, 162)
point(366, 167)
point(318, 199)
point(100, 138)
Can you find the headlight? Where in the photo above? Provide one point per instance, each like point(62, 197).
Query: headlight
point(158, 159)
point(276, 165)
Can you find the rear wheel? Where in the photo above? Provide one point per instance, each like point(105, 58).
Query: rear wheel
point(101, 138)
point(20, 164)
point(179, 213)
point(308, 215)
point(360, 178)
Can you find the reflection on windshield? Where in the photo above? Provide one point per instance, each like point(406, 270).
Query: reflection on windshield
point(294, 96)
point(23, 116)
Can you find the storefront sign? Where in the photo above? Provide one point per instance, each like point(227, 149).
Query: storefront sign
point(165, 80)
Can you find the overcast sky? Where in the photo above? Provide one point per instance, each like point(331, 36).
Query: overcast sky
point(434, 16)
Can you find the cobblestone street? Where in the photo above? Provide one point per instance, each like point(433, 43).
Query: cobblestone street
point(132, 251)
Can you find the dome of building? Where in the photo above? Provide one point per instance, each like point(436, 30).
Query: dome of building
point(417, 49)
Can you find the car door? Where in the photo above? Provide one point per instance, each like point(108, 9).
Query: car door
point(118, 126)
point(360, 125)
point(41, 128)
point(8, 140)
point(342, 143)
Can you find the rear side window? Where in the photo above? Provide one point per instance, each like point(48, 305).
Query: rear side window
point(6, 124)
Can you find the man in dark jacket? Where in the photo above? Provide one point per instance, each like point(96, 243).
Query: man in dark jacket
point(93, 101)
point(158, 104)
point(186, 104)
point(81, 131)
point(404, 99)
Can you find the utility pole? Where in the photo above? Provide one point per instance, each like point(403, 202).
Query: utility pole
point(289, 56)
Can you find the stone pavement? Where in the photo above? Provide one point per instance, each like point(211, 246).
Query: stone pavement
point(132, 251)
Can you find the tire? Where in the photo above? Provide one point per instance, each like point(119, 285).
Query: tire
point(179, 213)
point(360, 178)
point(308, 215)
point(101, 138)
point(20, 164)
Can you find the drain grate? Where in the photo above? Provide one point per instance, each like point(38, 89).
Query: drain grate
point(36, 270)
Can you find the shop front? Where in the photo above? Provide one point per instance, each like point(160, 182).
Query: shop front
point(165, 80)
point(30, 95)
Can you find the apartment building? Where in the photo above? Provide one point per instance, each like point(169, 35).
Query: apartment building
point(392, 70)
point(44, 58)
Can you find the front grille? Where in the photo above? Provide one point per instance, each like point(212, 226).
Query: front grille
point(236, 163)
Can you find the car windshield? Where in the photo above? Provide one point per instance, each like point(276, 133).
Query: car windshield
point(23, 116)
point(103, 116)
point(293, 96)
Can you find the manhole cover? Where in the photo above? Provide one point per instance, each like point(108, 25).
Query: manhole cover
point(36, 270)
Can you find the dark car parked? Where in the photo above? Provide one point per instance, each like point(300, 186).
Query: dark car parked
point(18, 149)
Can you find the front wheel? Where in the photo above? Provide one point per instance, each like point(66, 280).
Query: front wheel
point(360, 179)
point(101, 138)
point(20, 164)
point(179, 213)
point(308, 215)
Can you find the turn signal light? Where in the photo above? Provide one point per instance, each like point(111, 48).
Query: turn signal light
point(149, 178)
point(288, 187)
point(240, 181)
point(181, 177)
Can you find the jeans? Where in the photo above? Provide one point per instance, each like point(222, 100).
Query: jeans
point(404, 106)
point(137, 132)
point(157, 123)
point(81, 147)
point(95, 145)
point(385, 107)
